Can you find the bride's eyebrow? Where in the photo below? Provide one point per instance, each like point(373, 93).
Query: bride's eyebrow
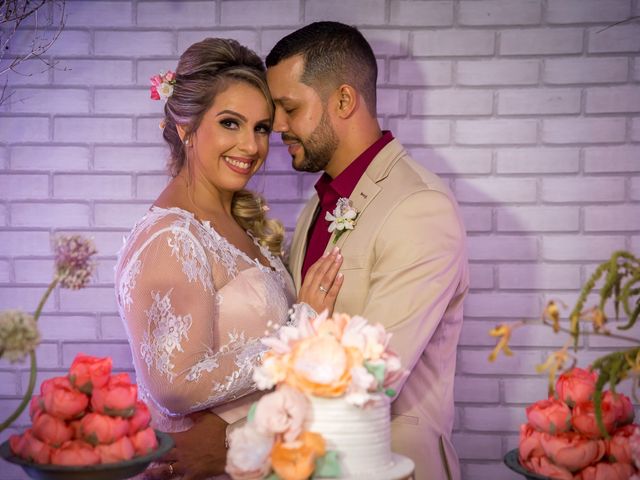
point(231, 112)
point(242, 117)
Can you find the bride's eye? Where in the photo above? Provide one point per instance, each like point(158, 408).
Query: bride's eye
point(263, 128)
point(229, 123)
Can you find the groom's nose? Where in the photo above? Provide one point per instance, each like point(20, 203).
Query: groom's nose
point(280, 124)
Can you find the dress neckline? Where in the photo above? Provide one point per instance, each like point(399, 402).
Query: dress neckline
point(206, 224)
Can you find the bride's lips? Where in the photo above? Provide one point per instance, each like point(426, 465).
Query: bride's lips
point(238, 164)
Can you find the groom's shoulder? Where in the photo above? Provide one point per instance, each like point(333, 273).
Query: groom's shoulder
point(410, 176)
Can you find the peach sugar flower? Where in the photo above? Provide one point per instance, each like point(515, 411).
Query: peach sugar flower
point(321, 356)
point(296, 460)
point(324, 356)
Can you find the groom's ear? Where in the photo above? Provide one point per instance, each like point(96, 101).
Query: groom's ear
point(346, 99)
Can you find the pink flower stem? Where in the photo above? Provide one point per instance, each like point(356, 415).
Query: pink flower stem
point(27, 395)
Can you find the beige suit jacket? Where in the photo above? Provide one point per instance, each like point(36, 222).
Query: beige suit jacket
point(405, 266)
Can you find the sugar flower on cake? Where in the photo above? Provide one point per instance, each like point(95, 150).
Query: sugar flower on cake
point(330, 357)
point(322, 356)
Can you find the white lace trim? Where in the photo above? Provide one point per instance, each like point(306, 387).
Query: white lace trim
point(191, 255)
point(167, 331)
point(248, 354)
point(128, 283)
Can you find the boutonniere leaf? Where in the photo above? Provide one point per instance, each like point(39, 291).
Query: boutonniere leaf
point(343, 218)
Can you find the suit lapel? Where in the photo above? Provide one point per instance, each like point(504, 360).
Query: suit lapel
point(300, 239)
point(361, 197)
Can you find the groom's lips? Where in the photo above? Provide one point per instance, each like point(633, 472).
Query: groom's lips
point(294, 148)
point(293, 144)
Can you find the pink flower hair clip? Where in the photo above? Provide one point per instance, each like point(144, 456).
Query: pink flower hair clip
point(162, 85)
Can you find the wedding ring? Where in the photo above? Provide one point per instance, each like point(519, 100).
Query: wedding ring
point(323, 290)
point(171, 472)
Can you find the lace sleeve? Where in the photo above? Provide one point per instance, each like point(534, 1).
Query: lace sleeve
point(184, 360)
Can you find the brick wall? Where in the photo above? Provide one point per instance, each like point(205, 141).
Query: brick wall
point(527, 107)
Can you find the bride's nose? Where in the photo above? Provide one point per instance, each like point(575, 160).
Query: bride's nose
point(248, 143)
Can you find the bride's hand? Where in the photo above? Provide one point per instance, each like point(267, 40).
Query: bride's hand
point(322, 282)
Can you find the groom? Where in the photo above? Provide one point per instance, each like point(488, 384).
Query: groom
point(405, 262)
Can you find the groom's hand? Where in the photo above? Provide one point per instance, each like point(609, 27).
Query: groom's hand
point(199, 453)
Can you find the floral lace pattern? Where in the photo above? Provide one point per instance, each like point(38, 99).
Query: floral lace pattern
point(167, 332)
point(128, 283)
point(195, 307)
point(191, 256)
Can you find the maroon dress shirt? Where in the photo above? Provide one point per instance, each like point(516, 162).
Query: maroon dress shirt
point(329, 192)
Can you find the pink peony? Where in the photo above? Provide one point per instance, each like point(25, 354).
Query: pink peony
point(618, 447)
point(61, 400)
point(634, 446)
point(36, 406)
point(28, 446)
point(549, 416)
point(576, 386)
point(98, 428)
point(117, 451)
point(75, 453)
point(282, 411)
point(542, 466)
point(249, 452)
point(529, 445)
point(572, 451)
point(117, 398)
point(584, 419)
point(140, 419)
point(145, 441)
point(606, 471)
point(87, 373)
point(621, 405)
point(51, 430)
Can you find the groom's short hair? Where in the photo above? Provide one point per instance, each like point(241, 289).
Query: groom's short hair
point(333, 54)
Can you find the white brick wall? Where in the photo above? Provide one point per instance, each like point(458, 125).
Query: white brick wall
point(528, 108)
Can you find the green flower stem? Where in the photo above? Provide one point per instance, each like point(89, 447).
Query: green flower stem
point(599, 334)
point(27, 395)
point(34, 370)
point(45, 297)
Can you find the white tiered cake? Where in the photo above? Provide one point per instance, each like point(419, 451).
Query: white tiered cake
point(361, 436)
point(329, 416)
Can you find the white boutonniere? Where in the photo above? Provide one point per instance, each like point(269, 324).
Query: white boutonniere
point(343, 218)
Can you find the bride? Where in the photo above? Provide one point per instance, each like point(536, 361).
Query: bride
point(200, 278)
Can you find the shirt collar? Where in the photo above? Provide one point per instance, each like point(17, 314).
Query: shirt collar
point(330, 190)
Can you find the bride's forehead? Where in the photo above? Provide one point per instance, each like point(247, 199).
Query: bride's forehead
point(243, 98)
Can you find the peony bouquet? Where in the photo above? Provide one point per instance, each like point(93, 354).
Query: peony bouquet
point(562, 438)
point(87, 417)
point(580, 419)
point(338, 356)
point(19, 335)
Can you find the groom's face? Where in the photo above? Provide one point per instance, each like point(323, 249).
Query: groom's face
point(301, 117)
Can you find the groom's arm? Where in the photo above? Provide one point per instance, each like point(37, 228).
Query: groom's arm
point(420, 262)
point(199, 452)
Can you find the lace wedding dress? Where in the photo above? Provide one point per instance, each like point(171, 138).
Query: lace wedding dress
point(194, 307)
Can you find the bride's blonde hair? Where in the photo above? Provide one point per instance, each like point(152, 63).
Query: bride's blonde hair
point(205, 69)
